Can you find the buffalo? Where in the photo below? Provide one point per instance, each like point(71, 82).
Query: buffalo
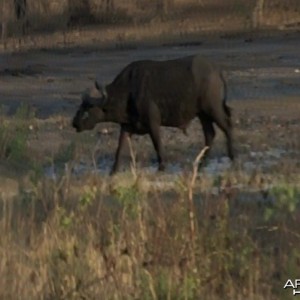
point(148, 94)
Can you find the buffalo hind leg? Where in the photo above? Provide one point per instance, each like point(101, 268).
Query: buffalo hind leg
point(156, 140)
point(208, 130)
point(225, 126)
point(122, 138)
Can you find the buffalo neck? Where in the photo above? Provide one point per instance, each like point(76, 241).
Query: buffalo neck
point(116, 106)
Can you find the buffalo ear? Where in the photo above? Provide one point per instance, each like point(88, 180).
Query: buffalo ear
point(101, 89)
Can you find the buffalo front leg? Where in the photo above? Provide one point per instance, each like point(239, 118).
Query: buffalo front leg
point(122, 138)
point(156, 140)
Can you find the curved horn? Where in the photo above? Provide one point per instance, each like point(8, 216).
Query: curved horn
point(101, 89)
point(96, 96)
point(97, 85)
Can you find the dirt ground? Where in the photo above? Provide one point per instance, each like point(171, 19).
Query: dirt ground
point(264, 68)
point(263, 75)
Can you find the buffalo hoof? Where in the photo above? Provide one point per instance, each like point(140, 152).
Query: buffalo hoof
point(113, 172)
point(161, 168)
point(232, 157)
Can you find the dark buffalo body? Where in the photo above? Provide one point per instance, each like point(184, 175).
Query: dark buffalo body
point(149, 94)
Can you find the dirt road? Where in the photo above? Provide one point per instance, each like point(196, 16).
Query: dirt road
point(52, 80)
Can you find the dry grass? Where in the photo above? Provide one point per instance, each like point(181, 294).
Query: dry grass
point(94, 239)
point(229, 235)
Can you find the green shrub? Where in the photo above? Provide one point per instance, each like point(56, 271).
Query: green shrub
point(14, 133)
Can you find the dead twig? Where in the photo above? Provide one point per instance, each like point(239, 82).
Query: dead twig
point(191, 200)
point(133, 160)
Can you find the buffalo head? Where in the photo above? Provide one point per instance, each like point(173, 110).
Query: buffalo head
point(91, 109)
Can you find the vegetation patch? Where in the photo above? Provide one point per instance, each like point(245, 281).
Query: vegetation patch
point(14, 134)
